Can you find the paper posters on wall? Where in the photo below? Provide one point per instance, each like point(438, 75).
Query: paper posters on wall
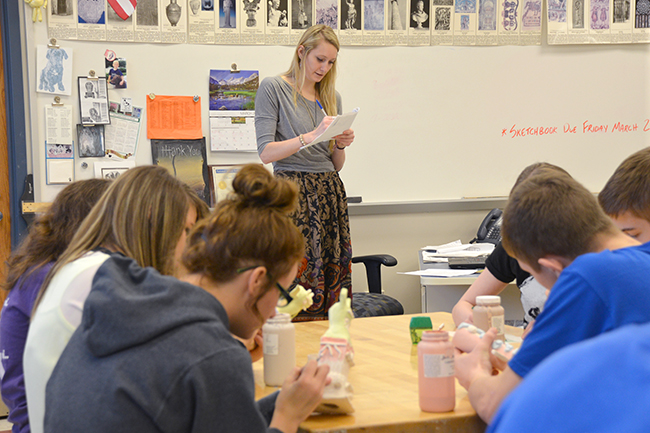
point(598, 21)
point(93, 101)
point(123, 132)
point(112, 169)
point(91, 140)
point(115, 72)
point(173, 117)
point(54, 70)
point(186, 160)
point(232, 110)
point(58, 124)
point(221, 177)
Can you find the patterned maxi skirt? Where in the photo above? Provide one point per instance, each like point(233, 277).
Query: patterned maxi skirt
point(322, 217)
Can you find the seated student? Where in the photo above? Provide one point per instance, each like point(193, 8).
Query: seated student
point(596, 386)
point(156, 354)
point(145, 214)
point(27, 267)
point(557, 232)
point(501, 269)
point(626, 196)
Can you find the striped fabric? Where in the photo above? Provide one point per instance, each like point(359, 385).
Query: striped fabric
point(123, 8)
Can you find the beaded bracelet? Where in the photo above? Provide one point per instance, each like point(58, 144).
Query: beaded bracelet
point(302, 140)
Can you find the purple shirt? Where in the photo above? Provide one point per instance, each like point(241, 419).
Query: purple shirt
point(14, 323)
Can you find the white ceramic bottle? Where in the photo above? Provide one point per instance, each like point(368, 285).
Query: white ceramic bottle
point(279, 349)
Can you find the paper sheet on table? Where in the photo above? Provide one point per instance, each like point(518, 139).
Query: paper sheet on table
point(341, 123)
point(441, 272)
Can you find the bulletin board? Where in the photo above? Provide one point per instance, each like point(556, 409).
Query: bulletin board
point(435, 122)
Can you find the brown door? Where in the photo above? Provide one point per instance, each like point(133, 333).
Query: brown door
point(5, 219)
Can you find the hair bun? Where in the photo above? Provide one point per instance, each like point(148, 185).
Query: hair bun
point(255, 186)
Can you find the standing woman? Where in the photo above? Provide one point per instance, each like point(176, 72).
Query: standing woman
point(288, 116)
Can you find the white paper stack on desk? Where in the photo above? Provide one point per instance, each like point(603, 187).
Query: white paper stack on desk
point(456, 249)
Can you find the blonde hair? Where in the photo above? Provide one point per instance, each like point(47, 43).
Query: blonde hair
point(326, 87)
point(250, 228)
point(142, 215)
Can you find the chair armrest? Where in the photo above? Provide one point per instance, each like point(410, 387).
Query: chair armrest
point(382, 259)
point(373, 268)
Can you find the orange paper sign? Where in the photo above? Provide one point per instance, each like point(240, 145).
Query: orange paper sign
point(173, 117)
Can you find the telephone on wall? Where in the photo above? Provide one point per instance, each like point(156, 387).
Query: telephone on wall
point(490, 228)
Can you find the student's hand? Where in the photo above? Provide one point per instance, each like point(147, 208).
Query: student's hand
point(256, 348)
point(253, 344)
point(477, 363)
point(301, 392)
point(345, 138)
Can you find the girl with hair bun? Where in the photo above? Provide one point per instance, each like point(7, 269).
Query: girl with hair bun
point(159, 351)
point(291, 111)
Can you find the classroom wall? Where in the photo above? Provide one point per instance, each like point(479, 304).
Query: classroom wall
point(436, 123)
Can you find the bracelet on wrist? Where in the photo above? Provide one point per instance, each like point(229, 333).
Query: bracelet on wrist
point(302, 140)
point(340, 148)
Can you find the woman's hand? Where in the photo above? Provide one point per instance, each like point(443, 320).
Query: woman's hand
point(301, 392)
point(324, 124)
point(344, 139)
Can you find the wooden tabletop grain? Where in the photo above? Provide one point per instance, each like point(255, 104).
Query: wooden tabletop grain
point(384, 379)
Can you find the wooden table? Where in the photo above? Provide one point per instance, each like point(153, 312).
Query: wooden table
point(385, 380)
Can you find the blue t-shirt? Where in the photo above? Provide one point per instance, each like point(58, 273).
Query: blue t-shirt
point(597, 386)
point(598, 292)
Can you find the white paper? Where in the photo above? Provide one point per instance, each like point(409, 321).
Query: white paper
point(435, 248)
point(340, 124)
point(60, 170)
point(463, 250)
point(58, 124)
point(441, 272)
point(112, 169)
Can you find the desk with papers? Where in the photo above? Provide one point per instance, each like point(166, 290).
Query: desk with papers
point(441, 287)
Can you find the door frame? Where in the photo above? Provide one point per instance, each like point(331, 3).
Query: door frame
point(10, 20)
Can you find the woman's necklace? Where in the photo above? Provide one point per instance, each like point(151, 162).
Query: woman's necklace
point(312, 117)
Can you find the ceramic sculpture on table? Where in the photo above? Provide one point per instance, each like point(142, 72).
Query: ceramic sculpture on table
point(337, 352)
point(302, 299)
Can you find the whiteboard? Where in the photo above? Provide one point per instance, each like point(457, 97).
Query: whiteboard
point(435, 122)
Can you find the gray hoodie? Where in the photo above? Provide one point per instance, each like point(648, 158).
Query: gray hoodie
point(153, 354)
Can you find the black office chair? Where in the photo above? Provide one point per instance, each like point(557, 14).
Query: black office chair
point(375, 303)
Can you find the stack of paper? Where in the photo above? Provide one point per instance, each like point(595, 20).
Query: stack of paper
point(440, 253)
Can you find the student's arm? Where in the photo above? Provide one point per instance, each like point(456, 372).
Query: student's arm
point(485, 390)
point(485, 284)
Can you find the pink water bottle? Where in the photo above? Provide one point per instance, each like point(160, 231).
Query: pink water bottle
point(436, 381)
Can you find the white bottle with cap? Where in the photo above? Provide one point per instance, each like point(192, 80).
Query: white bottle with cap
point(488, 313)
point(279, 349)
